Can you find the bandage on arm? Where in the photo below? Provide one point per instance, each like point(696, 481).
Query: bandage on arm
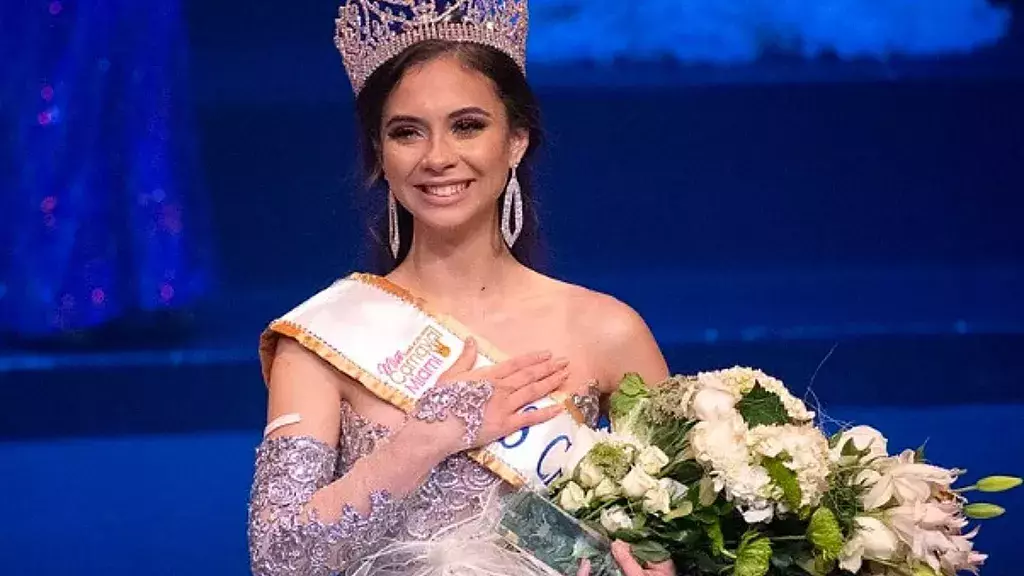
point(301, 519)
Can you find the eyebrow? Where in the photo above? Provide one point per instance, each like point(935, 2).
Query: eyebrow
point(402, 118)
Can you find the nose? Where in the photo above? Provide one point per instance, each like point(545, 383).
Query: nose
point(440, 155)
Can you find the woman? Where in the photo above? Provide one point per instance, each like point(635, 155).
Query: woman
point(399, 404)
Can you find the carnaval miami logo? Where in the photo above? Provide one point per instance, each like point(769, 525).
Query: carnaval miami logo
point(415, 368)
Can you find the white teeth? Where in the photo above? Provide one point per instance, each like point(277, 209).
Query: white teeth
point(445, 191)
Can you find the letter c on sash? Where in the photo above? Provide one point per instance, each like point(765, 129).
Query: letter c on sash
point(524, 432)
point(544, 455)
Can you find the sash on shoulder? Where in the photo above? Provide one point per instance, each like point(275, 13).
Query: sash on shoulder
point(392, 343)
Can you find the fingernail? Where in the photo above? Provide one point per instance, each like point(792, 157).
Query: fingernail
point(562, 363)
point(546, 355)
point(470, 341)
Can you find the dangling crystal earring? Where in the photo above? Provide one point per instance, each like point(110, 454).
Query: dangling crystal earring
point(393, 237)
point(513, 201)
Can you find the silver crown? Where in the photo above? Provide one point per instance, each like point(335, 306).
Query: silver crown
point(368, 33)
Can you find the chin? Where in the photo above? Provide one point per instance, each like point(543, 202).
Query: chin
point(443, 220)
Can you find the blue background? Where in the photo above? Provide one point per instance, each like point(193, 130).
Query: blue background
point(847, 218)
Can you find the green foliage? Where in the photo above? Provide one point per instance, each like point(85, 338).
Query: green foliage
point(628, 405)
point(714, 532)
point(786, 479)
point(824, 533)
point(672, 438)
point(612, 459)
point(761, 407)
point(631, 391)
point(843, 498)
point(649, 551)
point(754, 555)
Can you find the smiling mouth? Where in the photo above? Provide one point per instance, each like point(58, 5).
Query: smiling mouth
point(446, 191)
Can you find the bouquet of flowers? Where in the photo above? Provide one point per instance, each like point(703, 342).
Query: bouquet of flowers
point(726, 472)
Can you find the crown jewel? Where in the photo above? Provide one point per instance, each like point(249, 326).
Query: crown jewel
point(368, 33)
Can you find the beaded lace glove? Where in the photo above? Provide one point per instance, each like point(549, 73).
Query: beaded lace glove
point(288, 539)
point(463, 400)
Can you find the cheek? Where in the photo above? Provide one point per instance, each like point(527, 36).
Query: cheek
point(397, 162)
point(489, 159)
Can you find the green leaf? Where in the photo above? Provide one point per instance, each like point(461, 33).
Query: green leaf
point(704, 563)
point(633, 384)
point(714, 532)
point(681, 538)
point(983, 511)
point(625, 400)
point(754, 556)
point(649, 552)
point(786, 479)
point(824, 533)
point(819, 566)
point(998, 483)
point(762, 407)
point(705, 516)
point(631, 535)
point(684, 509)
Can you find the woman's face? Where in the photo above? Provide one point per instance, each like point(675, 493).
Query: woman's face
point(446, 144)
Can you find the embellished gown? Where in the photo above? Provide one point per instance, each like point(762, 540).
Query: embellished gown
point(455, 490)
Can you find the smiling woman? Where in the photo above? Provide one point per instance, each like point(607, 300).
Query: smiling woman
point(480, 111)
point(517, 360)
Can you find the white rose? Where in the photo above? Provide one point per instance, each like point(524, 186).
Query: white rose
point(862, 438)
point(589, 474)
point(652, 459)
point(657, 500)
point(606, 490)
point(637, 483)
point(872, 540)
point(615, 518)
point(573, 498)
point(676, 489)
point(713, 404)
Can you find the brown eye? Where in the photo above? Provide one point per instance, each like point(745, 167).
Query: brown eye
point(402, 133)
point(468, 126)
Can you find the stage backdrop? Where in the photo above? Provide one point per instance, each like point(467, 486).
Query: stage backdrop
point(829, 190)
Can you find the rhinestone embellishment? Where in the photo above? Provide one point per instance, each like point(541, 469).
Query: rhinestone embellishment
point(368, 33)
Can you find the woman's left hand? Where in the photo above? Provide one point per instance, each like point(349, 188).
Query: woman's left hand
point(629, 565)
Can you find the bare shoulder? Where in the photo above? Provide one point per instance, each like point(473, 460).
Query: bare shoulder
point(616, 335)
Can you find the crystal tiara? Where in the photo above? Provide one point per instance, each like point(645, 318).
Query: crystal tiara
point(368, 33)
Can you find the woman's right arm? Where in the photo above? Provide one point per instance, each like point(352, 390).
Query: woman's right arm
point(301, 521)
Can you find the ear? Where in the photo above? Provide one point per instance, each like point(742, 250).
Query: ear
point(520, 143)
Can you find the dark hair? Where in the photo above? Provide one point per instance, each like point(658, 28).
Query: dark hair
point(522, 110)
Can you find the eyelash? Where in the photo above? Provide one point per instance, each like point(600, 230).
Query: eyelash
point(469, 125)
point(462, 127)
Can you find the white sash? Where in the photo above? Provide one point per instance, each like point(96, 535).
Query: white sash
point(396, 346)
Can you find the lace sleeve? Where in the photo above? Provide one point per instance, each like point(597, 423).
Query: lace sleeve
point(286, 536)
